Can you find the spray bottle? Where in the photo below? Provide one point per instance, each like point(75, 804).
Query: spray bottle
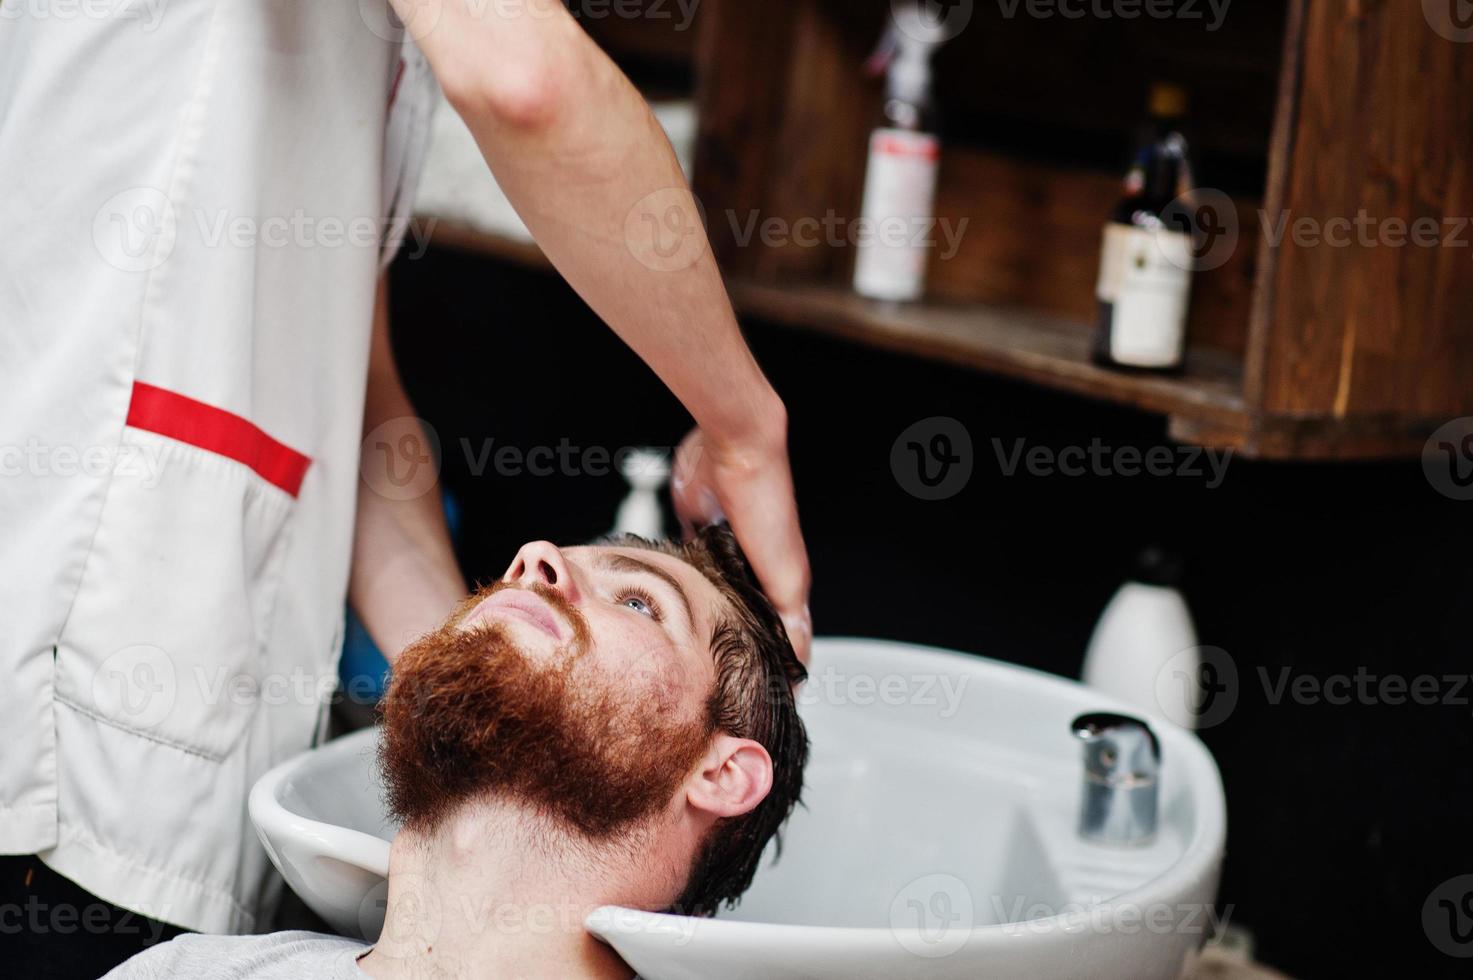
point(904, 159)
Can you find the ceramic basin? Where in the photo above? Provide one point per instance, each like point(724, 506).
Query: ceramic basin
point(938, 839)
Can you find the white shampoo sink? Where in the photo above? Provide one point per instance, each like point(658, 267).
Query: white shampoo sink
point(938, 838)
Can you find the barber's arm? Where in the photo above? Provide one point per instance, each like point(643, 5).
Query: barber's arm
point(405, 579)
point(581, 157)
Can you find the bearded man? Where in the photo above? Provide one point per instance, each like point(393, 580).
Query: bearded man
point(606, 725)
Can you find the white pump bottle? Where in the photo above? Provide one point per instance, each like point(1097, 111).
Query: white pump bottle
point(1144, 649)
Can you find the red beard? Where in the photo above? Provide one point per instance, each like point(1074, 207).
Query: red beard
point(468, 716)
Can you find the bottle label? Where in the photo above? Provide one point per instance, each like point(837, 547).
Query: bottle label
point(896, 229)
point(1146, 276)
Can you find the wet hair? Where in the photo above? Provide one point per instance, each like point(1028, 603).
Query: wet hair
point(752, 697)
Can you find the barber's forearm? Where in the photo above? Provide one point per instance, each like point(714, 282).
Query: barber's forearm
point(404, 579)
point(587, 166)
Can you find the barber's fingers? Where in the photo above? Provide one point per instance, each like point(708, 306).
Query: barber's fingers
point(691, 487)
point(753, 491)
point(764, 516)
point(800, 633)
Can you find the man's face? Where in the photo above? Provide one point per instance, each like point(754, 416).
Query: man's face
point(628, 620)
point(576, 685)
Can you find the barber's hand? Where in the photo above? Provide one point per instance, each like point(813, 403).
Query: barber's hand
point(751, 486)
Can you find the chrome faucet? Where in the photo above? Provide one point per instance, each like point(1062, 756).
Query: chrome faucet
point(1122, 761)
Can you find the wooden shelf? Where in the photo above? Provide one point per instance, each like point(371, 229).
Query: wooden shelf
point(1204, 406)
point(1045, 350)
point(1034, 347)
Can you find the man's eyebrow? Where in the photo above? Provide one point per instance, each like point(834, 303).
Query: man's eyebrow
point(619, 562)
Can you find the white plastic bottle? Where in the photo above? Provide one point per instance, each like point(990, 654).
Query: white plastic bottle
point(897, 224)
point(1144, 648)
point(646, 471)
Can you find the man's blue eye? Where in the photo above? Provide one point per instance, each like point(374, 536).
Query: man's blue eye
point(639, 604)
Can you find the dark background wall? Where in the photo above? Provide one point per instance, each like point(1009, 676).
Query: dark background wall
point(1343, 819)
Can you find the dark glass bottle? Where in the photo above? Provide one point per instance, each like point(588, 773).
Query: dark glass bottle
point(1144, 289)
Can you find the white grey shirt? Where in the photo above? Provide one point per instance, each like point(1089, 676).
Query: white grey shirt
point(278, 956)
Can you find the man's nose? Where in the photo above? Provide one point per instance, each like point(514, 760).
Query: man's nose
point(541, 561)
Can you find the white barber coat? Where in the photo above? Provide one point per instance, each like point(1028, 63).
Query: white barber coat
point(195, 197)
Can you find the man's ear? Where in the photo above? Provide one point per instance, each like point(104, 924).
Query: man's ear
point(735, 775)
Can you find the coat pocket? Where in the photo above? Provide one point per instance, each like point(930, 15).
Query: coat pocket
point(167, 635)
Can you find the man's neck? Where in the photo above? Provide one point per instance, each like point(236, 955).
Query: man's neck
point(495, 893)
